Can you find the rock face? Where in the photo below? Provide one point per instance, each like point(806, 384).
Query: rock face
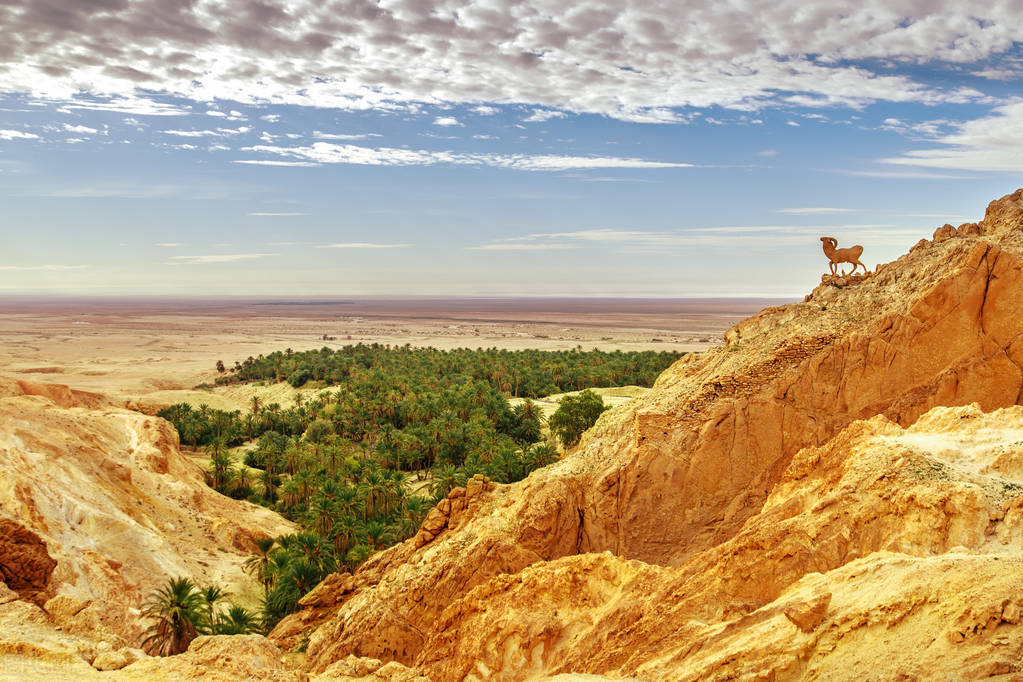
point(25, 565)
point(743, 510)
point(881, 539)
point(98, 507)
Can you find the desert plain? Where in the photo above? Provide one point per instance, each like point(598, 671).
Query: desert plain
point(151, 352)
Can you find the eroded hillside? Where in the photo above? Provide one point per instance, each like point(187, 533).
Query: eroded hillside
point(97, 508)
point(674, 480)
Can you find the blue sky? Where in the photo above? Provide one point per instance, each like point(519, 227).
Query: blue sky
point(491, 148)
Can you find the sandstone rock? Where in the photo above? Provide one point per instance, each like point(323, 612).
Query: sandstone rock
point(7, 594)
point(354, 668)
point(807, 615)
point(328, 592)
point(96, 487)
point(944, 233)
point(435, 521)
point(1004, 216)
point(969, 230)
point(115, 660)
point(883, 534)
point(477, 485)
point(61, 395)
point(25, 565)
point(64, 607)
point(219, 658)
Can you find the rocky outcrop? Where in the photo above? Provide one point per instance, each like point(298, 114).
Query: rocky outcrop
point(98, 507)
point(872, 549)
point(672, 481)
point(218, 659)
point(25, 565)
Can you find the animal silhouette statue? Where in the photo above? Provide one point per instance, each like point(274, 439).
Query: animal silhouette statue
point(837, 255)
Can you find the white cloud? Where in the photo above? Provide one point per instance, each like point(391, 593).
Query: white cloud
point(792, 123)
point(262, 162)
point(169, 245)
point(541, 115)
point(484, 110)
point(636, 61)
point(992, 143)
point(17, 135)
point(344, 136)
point(446, 121)
point(921, 130)
point(217, 258)
point(364, 245)
point(324, 152)
point(128, 104)
point(80, 129)
point(270, 118)
point(1009, 72)
point(219, 132)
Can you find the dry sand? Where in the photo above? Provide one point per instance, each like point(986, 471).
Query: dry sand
point(155, 351)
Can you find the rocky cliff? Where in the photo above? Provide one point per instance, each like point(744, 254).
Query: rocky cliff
point(98, 506)
point(682, 523)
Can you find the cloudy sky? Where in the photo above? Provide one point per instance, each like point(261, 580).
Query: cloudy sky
point(497, 147)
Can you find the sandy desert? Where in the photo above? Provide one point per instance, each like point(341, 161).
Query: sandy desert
point(153, 352)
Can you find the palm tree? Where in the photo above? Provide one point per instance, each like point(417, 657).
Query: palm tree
point(291, 495)
point(258, 564)
point(269, 485)
point(542, 454)
point(346, 528)
point(241, 482)
point(178, 610)
point(237, 621)
point(415, 511)
point(322, 513)
point(221, 465)
point(377, 534)
point(356, 555)
point(444, 479)
point(212, 595)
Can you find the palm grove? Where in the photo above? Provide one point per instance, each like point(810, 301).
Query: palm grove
point(392, 430)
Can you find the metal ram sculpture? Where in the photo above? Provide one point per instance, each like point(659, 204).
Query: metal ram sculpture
point(837, 255)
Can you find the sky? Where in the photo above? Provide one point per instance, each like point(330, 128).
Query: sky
point(492, 148)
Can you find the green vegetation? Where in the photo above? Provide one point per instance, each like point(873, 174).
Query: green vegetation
point(342, 464)
point(524, 373)
point(182, 611)
point(576, 414)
